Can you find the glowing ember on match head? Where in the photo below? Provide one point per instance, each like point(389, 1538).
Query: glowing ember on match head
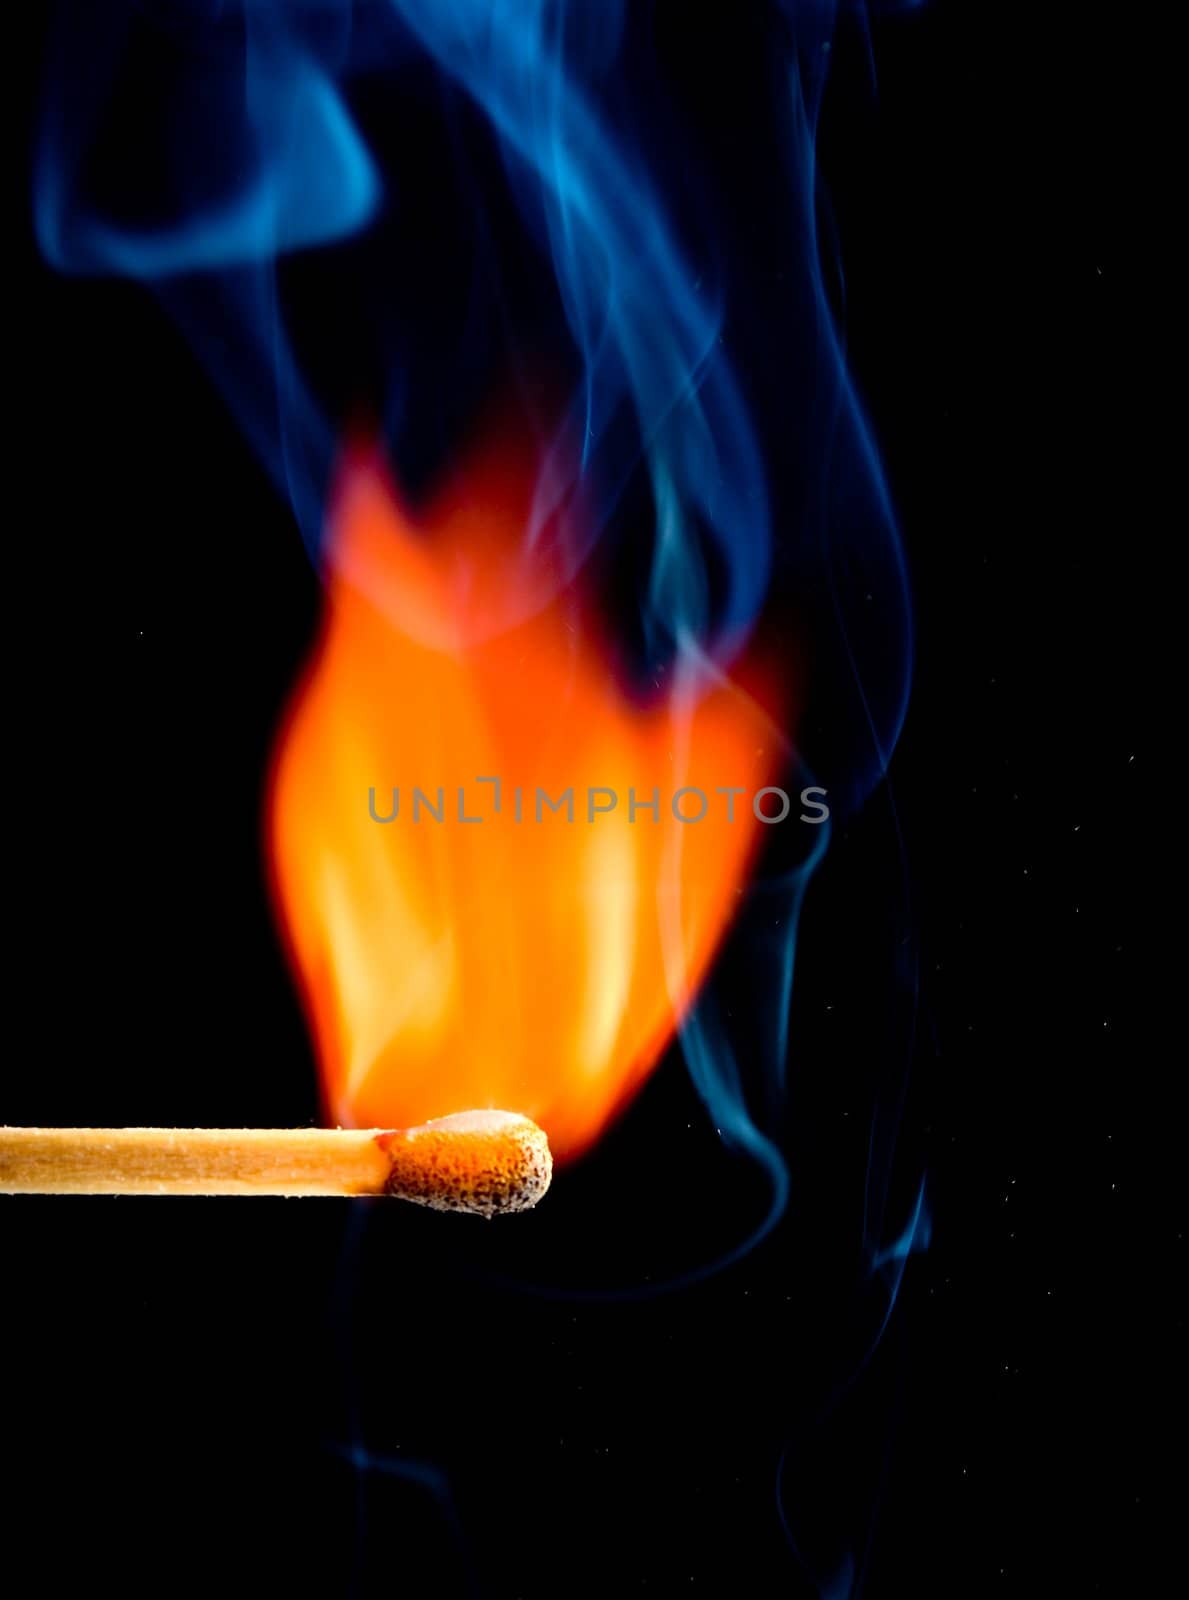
point(479, 1161)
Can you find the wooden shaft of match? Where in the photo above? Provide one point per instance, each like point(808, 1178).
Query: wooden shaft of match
point(482, 1161)
point(286, 1161)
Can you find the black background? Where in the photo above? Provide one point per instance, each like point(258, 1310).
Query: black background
point(187, 1383)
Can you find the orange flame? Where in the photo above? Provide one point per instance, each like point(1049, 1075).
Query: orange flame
point(539, 965)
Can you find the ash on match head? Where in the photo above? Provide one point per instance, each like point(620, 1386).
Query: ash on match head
point(482, 1162)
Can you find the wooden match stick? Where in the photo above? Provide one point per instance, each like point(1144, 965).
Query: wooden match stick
point(483, 1162)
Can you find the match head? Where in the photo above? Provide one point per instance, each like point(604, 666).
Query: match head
point(484, 1162)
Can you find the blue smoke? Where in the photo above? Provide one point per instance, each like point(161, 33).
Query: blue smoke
point(217, 151)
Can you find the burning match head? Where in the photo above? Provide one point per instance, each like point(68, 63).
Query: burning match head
point(484, 1162)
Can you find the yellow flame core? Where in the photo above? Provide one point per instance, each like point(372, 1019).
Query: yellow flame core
point(538, 965)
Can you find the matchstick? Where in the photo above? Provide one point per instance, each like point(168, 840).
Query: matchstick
point(482, 1162)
